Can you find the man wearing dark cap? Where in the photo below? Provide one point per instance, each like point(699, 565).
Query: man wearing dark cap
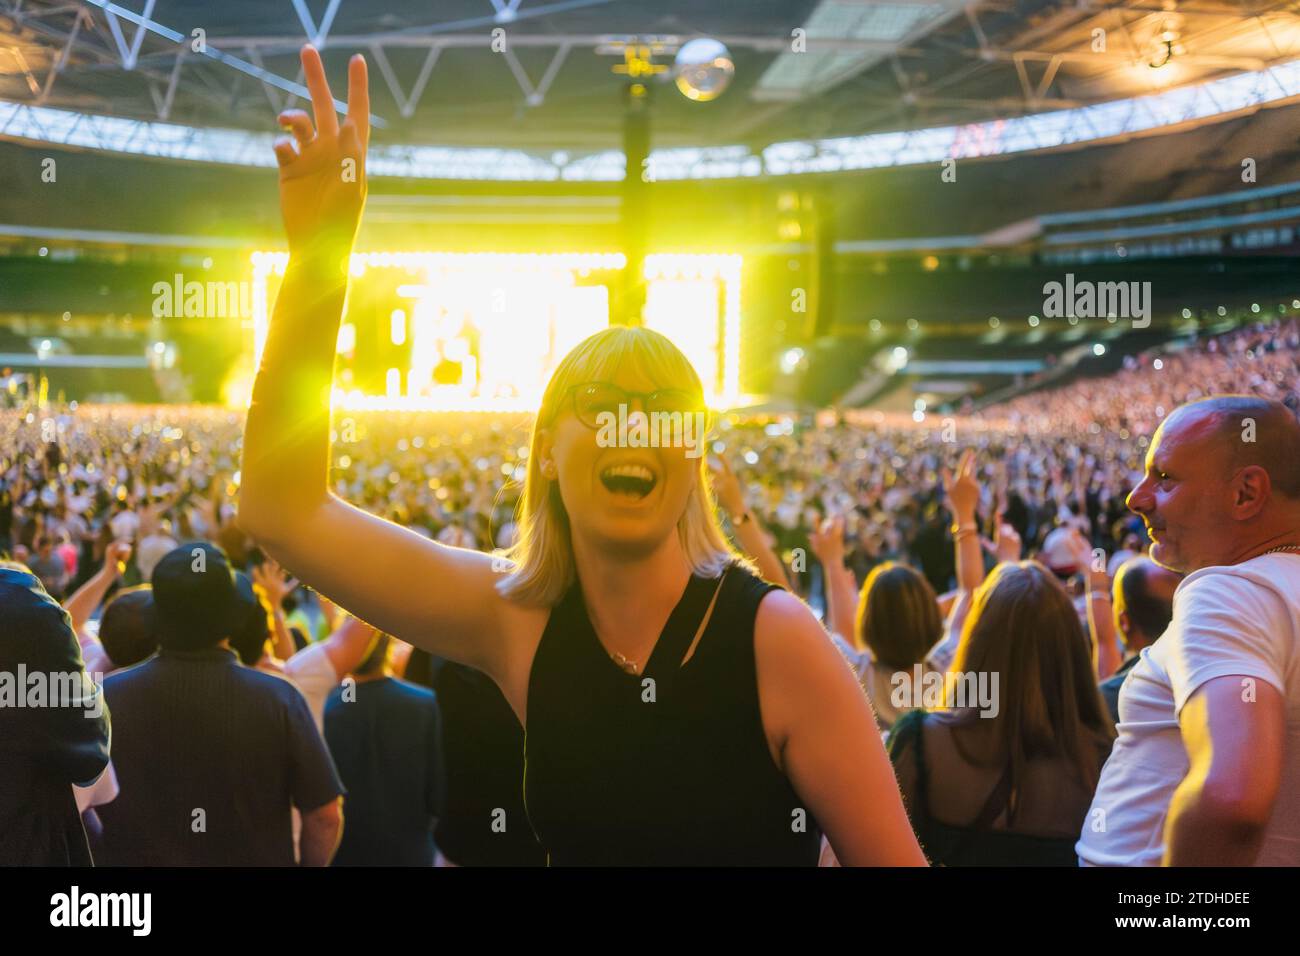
point(49, 743)
point(211, 755)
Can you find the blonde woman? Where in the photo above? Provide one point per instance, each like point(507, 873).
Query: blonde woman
point(677, 709)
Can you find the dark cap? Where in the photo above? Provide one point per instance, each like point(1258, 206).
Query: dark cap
point(194, 596)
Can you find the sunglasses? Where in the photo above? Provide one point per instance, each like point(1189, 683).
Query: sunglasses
point(592, 400)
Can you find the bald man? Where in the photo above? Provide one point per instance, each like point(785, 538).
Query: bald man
point(1206, 767)
point(1142, 603)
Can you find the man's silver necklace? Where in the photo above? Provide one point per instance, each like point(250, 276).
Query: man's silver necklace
point(1282, 547)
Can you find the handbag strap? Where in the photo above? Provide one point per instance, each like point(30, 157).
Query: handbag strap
point(993, 806)
point(996, 802)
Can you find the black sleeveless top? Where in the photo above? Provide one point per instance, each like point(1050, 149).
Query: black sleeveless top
point(946, 844)
point(483, 746)
point(677, 771)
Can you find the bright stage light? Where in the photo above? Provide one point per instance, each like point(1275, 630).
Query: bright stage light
point(347, 341)
point(696, 283)
point(485, 330)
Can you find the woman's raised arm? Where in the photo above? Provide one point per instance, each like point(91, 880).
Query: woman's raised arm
point(439, 598)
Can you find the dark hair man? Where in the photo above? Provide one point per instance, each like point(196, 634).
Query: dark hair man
point(1142, 603)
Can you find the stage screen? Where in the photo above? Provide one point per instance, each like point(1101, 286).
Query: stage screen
point(483, 332)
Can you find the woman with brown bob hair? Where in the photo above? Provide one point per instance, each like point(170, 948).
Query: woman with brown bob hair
point(896, 623)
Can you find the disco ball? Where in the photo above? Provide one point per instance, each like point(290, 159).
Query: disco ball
point(703, 69)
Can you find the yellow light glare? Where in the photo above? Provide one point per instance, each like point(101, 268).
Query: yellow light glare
point(457, 350)
point(347, 338)
point(508, 318)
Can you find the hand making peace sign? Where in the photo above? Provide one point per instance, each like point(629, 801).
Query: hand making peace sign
point(322, 168)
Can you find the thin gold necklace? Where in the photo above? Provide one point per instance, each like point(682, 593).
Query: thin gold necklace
point(626, 663)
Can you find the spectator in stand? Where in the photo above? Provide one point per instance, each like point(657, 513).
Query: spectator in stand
point(152, 547)
point(49, 567)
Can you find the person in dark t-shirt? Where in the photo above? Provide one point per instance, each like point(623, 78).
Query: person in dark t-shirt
point(44, 749)
point(386, 737)
point(210, 755)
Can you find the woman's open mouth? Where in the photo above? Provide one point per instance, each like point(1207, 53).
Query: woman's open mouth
point(634, 481)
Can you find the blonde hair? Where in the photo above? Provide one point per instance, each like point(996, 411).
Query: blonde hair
point(543, 553)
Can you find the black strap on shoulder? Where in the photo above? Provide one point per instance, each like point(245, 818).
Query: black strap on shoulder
point(996, 802)
point(993, 806)
point(908, 731)
point(680, 631)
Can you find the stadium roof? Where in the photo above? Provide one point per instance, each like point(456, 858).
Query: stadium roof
point(869, 66)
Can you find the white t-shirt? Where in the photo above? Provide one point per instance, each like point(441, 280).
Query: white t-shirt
point(313, 673)
point(1239, 620)
point(124, 525)
point(96, 659)
point(152, 549)
point(102, 791)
